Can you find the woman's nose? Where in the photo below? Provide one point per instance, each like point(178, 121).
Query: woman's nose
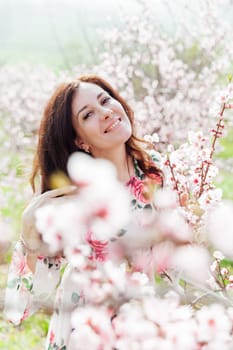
point(106, 114)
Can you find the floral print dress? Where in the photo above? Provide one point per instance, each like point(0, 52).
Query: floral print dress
point(26, 292)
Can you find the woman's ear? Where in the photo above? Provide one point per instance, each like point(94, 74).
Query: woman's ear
point(82, 145)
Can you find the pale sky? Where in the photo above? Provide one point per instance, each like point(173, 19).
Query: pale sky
point(40, 27)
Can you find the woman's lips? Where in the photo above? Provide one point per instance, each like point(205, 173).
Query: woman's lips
point(112, 126)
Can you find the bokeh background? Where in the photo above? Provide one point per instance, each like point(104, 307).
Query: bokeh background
point(169, 59)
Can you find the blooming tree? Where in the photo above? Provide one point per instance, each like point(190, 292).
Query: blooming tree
point(168, 78)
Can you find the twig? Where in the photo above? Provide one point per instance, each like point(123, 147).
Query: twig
point(174, 179)
point(217, 133)
point(202, 296)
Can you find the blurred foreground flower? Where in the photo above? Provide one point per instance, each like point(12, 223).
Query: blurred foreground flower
point(100, 206)
point(152, 323)
point(219, 227)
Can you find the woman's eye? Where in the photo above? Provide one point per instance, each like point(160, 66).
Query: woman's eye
point(105, 100)
point(86, 116)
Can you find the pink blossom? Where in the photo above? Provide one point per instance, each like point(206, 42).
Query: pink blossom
point(213, 324)
point(82, 167)
point(193, 262)
point(92, 329)
point(218, 218)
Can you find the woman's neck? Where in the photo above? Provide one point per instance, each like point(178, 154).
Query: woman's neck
point(122, 161)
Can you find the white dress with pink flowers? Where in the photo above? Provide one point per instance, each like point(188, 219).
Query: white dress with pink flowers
point(53, 278)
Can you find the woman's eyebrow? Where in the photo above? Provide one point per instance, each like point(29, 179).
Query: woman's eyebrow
point(84, 107)
point(100, 94)
point(81, 110)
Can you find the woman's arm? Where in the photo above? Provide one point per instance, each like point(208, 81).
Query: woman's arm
point(30, 237)
point(34, 272)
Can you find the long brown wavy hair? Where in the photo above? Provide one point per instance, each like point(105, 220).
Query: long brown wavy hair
point(57, 135)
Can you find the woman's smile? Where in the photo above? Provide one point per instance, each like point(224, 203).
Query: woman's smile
point(113, 126)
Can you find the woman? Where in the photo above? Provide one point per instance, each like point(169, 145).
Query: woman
point(86, 115)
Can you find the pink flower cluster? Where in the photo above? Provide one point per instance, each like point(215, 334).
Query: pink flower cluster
point(82, 222)
point(185, 169)
point(152, 323)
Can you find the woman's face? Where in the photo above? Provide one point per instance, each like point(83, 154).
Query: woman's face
point(99, 120)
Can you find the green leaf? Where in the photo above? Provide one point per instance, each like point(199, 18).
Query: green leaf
point(27, 283)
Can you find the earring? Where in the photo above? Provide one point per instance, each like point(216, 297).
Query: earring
point(85, 148)
point(88, 150)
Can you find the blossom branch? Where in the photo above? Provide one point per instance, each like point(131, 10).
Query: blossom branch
point(174, 179)
point(217, 133)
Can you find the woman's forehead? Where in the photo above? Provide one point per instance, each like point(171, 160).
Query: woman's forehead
point(89, 88)
point(86, 94)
